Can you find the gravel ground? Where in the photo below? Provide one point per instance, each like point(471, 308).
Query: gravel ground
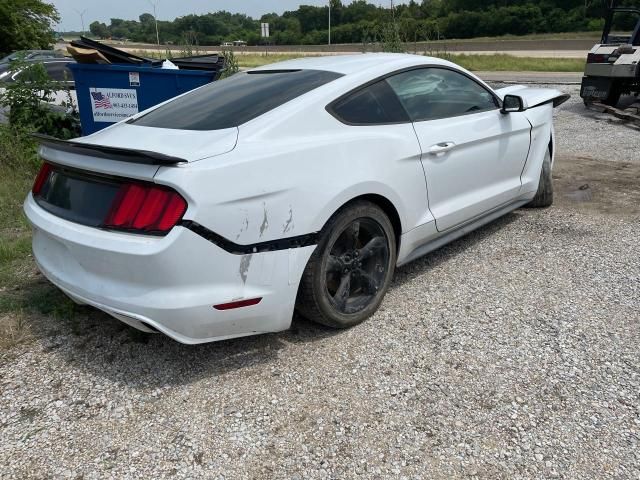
point(511, 353)
point(587, 133)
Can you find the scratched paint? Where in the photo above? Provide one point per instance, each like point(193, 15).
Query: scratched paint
point(265, 220)
point(245, 262)
point(245, 226)
point(288, 225)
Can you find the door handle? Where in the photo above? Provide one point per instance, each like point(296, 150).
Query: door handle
point(441, 148)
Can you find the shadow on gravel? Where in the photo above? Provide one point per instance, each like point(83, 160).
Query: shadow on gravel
point(102, 347)
point(420, 266)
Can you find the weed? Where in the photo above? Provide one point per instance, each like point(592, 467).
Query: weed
point(14, 329)
point(231, 63)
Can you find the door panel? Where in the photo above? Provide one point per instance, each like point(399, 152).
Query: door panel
point(472, 154)
point(472, 163)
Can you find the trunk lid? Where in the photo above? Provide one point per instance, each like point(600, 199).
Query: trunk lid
point(134, 152)
point(89, 175)
point(189, 145)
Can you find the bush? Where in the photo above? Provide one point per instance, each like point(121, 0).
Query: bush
point(29, 97)
point(18, 151)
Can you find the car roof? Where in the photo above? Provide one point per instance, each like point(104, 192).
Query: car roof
point(351, 64)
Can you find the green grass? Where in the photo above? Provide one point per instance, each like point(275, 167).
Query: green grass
point(248, 60)
point(18, 167)
point(594, 35)
point(259, 59)
point(11, 249)
point(509, 63)
point(486, 63)
point(23, 293)
point(17, 171)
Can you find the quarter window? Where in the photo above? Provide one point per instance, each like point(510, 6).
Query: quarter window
point(432, 93)
point(372, 105)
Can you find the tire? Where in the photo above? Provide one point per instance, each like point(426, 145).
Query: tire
point(544, 195)
point(350, 271)
point(615, 91)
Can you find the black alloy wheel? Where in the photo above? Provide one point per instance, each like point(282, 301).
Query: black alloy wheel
point(356, 266)
point(351, 269)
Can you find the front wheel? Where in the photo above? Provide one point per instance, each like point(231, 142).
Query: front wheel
point(544, 195)
point(351, 269)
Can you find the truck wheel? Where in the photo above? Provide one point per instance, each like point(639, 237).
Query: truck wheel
point(615, 91)
point(544, 195)
point(350, 271)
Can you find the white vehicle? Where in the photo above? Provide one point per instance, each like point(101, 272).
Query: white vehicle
point(299, 185)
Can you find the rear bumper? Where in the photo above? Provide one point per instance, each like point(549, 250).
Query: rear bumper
point(168, 283)
point(611, 70)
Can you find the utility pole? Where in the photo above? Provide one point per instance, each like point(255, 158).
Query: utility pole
point(329, 22)
point(155, 17)
point(81, 13)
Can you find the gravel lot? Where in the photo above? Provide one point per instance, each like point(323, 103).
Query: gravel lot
point(512, 353)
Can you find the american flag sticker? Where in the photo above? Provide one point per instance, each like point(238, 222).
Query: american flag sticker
point(112, 105)
point(100, 100)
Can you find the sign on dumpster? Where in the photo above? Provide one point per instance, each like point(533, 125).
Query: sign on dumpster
point(113, 104)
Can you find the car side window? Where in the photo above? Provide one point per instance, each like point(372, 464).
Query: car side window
point(375, 104)
point(58, 71)
point(432, 93)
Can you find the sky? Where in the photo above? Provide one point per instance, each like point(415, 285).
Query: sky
point(102, 10)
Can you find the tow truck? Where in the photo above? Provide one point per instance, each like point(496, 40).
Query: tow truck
point(613, 65)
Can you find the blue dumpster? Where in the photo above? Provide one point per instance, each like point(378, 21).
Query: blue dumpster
point(110, 93)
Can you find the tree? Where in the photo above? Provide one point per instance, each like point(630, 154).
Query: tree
point(100, 30)
point(26, 24)
point(367, 21)
point(146, 18)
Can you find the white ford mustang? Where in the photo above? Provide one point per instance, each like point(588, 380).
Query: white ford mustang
point(299, 185)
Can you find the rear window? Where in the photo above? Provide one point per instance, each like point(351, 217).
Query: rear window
point(236, 100)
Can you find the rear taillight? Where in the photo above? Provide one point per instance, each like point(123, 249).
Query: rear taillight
point(145, 208)
point(43, 176)
point(598, 58)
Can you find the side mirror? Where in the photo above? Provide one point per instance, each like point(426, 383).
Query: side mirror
point(512, 103)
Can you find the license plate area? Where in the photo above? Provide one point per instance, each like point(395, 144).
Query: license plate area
point(78, 197)
point(595, 87)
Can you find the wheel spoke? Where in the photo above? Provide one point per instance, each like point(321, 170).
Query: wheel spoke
point(342, 294)
point(373, 246)
point(355, 266)
point(351, 235)
point(334, 264)
point(369, 284)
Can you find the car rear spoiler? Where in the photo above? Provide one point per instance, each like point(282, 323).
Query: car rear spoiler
point(112, 153)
